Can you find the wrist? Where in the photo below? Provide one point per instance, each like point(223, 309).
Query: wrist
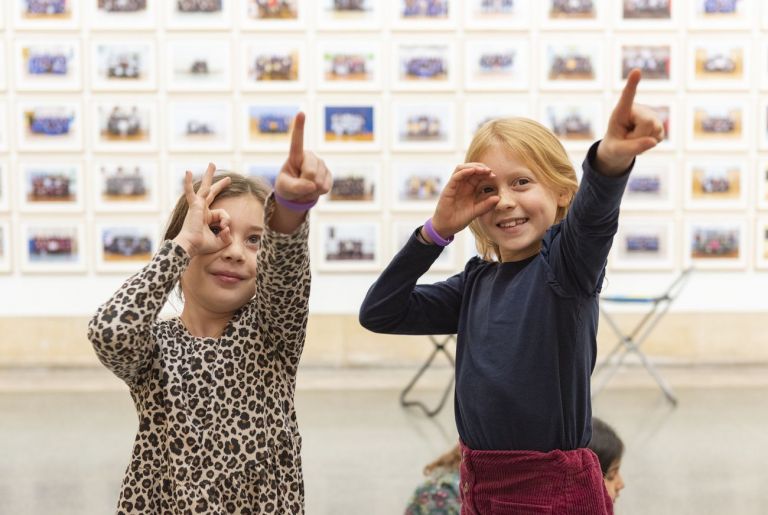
point(434, 235)
point(185, 244)
point(606, 164)
point(298, 207)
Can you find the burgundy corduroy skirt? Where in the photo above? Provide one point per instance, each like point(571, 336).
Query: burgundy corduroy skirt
point(530, 482)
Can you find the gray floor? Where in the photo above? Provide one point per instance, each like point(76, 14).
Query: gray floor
point(64, 453)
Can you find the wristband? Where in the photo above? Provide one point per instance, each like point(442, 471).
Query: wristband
point(436, 238)
point(294, 206)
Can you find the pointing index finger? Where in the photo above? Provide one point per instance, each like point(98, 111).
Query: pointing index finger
point(296, 154)
point(624, 106)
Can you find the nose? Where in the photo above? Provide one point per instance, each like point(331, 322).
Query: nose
point(235, 251)
point(619, 482)
point(507, 200)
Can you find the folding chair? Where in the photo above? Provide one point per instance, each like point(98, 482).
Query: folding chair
point(439, 347)
point(630, 343)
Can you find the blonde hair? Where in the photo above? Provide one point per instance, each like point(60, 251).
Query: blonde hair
point(449, 461)
point(539, 149)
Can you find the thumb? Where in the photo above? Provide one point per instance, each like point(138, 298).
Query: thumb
point(486, 205)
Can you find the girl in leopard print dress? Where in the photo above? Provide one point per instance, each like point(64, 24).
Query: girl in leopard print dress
point(214, 388)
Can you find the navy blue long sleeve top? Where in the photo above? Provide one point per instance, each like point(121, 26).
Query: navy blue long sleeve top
point(526, 330)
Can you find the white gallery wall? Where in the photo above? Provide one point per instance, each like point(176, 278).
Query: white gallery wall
point(105, 103)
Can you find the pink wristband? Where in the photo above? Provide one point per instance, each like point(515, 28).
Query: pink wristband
point(436, 238)
point(294, 206)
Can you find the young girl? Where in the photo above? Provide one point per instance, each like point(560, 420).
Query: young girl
point(526, 313)
point(214, 387)
point(609, 449)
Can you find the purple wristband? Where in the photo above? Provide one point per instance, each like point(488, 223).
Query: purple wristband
point(294, 206)
point(436, 238)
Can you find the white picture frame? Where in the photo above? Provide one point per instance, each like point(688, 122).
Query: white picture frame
point(49, 125)
point(348, 246)
point(263, 168)
point(727, 15)
point(355, 15)
point(195, 125)
point(401, 231)
point(431, 15)
point(423, 65)
point(761, 178)
point(715, 243)
point(642, 15)
point(125, 124)
point(264, 15)
point(3, 79)
point(497, 64)
point(123, 65)
point(120, 15)
point(52, 246)
point(125, 247)
point(349, 125)
point(717, 122)
point(420, 125)
point(31, 15)
point(571, 63)
point(657, 59)
point(5, 186)
point(6, 252)
point(716, 183)
point(761, 243)
point(478, 110)
point(197, 18)
point(482, 15)
point(4, 133)
point(349, 65)
point(416, 184)
point(275, 64)
point(356, 186)
point(715, 63)
point(267, 124)
point(762, 127)
point(124, 184)
point(576, 15)
point(652, 185)
point(51, 186)
point(45, 64)
point(577, 122)
point(195, 65)
point(643, 244)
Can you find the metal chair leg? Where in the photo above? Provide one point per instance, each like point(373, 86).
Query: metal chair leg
point(440, 346)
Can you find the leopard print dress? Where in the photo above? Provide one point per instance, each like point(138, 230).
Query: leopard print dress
point(217, 423)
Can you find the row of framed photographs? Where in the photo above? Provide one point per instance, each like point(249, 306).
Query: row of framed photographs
point(712, 62)
point(121, 184)
point(358, 123)
point(642, 243)
point(370, 14)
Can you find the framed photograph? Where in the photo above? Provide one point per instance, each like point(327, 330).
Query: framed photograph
point(715, 243)
point(267, 124)
point(762, 184)
point(478, 111)
point(5, 246)
point(198, 65)
point(643, 244)
point(356, 186)
point(423, 66)
point(416, 184)
point(123, 14)
point(501, 64)
point(761, 243)
point(402, 231)
point(717, 123)
point(644, 15)
point(178, 169)
point(715, 63)
point(335, 15)
point(124, 126)
point(657, 60)
point(123, 65)
point(125, 247)
point(52, 246)
point(577, 122)
point(5, 185)
point(720, 14)
point(716, 183)
point(420, 125)
point(272, 65)
point(51, 187)
point(264, 169)
point(349, 246)
point(424, 14)
point(350, 126)
point(272, 15)
point(46, 14)
point(349, 65)
point(198, 15)
point(49, 125)
point(46, 65)
point(125, 185)
point(200, 126)
point(572, 14)
point(497, 14)
point(651, 185)
point(572, 66)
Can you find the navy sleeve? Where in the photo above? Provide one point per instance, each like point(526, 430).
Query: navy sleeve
point(578, 248)
point(395, 304)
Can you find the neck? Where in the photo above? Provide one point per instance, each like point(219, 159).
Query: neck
point(203, 323)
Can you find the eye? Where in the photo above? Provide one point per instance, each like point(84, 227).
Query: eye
point(254, 240)
point(215, 229)
point(485, 189)
point(522, 181)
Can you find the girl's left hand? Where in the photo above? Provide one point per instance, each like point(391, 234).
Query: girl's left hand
point(304, 176)
point(632, 130)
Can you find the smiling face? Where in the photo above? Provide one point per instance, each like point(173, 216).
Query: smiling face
point(224, 281)
point(526, 209)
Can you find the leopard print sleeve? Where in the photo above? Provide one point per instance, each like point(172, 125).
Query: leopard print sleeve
point(282, 286)
point(121, 329)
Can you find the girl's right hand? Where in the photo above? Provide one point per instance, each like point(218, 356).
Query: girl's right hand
point(205, 230)
point(459, 202)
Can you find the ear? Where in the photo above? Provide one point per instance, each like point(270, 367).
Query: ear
point(563, 199)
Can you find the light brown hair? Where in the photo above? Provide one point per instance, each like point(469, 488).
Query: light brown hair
point(448, 461)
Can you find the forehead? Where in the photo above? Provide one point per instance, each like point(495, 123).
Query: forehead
point(242, 209)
